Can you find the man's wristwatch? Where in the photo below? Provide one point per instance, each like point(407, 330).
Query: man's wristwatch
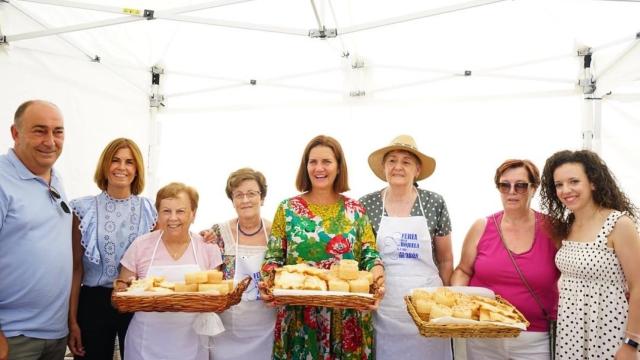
point(634, 344)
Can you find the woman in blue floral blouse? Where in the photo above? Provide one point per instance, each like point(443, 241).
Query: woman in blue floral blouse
point(104, 226)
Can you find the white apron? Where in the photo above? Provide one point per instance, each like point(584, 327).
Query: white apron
point(165, 336)
point(249, 325)
point(404, 244)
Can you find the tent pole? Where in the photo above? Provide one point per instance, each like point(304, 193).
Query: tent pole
point(92, 57)
point(592, 124)
point(622, 69)
point(86, 6)
point(154, 151)
point(132, 16)
point(234, 24)
point(591, 104)
point(155, 129)
point(419, 15)
point(72, 28)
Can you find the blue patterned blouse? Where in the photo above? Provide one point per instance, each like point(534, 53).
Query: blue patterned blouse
point(108, 226)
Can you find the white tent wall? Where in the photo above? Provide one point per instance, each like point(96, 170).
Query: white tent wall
point(468, 139)
point(97, 107)
point(215, 121)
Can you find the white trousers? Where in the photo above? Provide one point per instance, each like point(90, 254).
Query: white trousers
point(528, 346)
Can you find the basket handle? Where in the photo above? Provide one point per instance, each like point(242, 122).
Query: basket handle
point(270, 282)
point(268, 286)
point(235, 296)
point(242, 285)
point(117, 285)
point(376, 287)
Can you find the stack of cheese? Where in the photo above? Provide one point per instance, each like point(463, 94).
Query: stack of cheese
point(343, 276)
point(201, 281)
point(152, 284)
point(443, 302)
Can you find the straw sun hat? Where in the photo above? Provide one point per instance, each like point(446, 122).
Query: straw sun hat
point(403, 143)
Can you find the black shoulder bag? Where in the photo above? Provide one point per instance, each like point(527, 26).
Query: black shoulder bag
point(552, 323)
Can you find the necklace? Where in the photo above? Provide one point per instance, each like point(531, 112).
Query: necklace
point(176, 252)
point(249, 234)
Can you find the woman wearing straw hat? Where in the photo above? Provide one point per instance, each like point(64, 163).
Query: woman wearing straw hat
point(413, 234)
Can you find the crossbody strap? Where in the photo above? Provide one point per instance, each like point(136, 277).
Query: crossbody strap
point(524, 280)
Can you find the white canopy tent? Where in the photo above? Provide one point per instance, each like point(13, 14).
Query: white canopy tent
point(248, 83)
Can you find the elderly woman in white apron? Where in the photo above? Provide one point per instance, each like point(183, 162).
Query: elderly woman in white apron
point(243, 242)
point(172, 251)
point(413, 234)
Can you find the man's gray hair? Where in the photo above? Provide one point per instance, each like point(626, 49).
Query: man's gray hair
point(17, 118)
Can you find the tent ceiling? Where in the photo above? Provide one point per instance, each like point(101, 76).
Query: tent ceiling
point(521, 100)
point(525, 46)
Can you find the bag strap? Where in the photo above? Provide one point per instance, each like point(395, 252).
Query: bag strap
point(524, 280)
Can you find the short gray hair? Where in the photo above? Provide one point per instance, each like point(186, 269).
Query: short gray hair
point(17, 117)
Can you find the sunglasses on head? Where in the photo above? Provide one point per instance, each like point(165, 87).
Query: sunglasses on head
point(520, 188)
point(55, 196)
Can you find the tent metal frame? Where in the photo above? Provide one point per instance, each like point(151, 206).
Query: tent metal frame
point(591, 108)
point(134, 15)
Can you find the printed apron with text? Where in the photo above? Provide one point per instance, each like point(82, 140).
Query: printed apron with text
point(404, 244)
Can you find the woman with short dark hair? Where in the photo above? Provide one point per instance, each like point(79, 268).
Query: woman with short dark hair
point(243, 242)
point(170, 252)
point(495, 245)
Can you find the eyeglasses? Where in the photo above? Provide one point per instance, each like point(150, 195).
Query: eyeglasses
point(250, 195)
point(55, 196)
point(520, 188)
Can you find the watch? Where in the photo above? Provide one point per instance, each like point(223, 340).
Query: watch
point(632, 343)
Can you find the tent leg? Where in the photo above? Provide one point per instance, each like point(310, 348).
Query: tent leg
point(592, 124)
point(155, 129)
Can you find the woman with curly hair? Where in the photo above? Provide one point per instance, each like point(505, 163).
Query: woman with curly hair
point(599, 308)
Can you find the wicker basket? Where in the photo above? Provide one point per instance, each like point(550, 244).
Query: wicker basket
point(332, 301)
point(464, 330)
point(178, 302)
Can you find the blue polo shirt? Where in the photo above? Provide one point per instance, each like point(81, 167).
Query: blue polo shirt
point(35, 254)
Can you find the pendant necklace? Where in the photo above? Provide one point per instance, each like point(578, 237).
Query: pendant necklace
point(249, 234)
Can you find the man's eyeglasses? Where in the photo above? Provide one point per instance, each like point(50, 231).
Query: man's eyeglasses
point(251, 195)
point(55, 196)
point(520, 188)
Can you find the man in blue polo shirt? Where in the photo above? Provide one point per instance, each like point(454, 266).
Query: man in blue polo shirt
point(35, 238)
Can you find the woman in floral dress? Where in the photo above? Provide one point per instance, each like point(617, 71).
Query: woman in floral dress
point(320, 227)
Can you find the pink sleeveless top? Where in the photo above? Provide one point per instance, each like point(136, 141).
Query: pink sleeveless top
point(494, 270)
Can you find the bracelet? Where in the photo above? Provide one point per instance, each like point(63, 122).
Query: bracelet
point(634, 344)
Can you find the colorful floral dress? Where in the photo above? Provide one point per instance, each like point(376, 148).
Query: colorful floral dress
point(321, 235)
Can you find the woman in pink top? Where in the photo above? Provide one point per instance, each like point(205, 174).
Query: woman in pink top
point(171, 252)
point(486, 262)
